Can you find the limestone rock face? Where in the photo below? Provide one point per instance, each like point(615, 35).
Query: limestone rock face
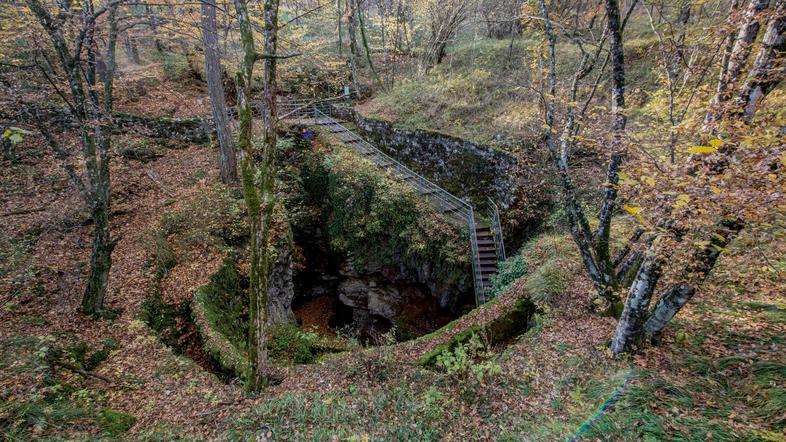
point(516, 182)
point(462, 167)
point(281, 287)
point(392, 292)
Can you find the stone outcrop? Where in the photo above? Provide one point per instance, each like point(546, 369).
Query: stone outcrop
point(381, 296)
point(462, 167)
point(193, 130)
point(281, 288)
point(521, 184)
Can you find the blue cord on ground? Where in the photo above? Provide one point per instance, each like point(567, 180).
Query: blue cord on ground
point(603, 408)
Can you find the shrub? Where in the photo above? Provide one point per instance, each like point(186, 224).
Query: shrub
point(509, 270)
point(548, 280)
point(469, 364)
point(288, 343)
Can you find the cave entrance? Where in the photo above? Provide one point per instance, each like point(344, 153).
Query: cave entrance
point(372, 307)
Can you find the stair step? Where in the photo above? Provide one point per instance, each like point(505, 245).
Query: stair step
point(450, 210)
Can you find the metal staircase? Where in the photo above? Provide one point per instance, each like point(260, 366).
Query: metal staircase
point(485, 236)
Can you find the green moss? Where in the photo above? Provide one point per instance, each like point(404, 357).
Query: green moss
point(510, 323)
point(374, 218)
point(140, 149)
point(220, 312)
point(114, 423)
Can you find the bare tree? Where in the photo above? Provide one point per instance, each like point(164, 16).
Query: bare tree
point(227, 162)
point(636, 270)
point(93, 114)
point(762, 76)
point(501, 17)
point(607, 273)
point(444, 20)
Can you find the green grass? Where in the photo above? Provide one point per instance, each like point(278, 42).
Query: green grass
point(54, 409)
point(669, 407)
point(397, 413)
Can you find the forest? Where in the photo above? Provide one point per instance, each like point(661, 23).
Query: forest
point(384, 220)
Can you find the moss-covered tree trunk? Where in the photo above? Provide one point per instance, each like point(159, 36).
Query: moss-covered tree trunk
point(353, 43)
point(257, 173)
point(94, 117)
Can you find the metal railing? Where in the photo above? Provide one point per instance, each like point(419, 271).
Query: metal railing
point(451, 206)
point(496, 229)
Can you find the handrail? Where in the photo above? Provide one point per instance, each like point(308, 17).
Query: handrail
point(425, 183)
point(496, 229)
point(452, 206)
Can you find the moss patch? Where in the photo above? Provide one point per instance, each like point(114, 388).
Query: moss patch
point(220, 312)
point(511, 323)
point(114, 423)
point(374, 218)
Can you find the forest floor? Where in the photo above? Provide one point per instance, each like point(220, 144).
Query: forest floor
point(718, 374)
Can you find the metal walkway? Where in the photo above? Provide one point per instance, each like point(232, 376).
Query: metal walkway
point(485, 236)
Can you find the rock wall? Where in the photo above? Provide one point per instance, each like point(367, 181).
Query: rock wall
point(193, 130)
point(281, 288)
point(522, 186)
point(462, 167)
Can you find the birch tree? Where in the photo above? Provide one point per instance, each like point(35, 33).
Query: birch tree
point(608, 273)
point(639, 266)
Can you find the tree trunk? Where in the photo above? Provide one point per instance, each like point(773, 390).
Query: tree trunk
point(340, 32)
point(132, 53)
point(768, 68)
point(363, 38)
point(636, 305)
point(227, 162)
point(101, 256)
point(696, 272)
point(735, 61)
point(258, 179)
point(617, 150)
point(100, 149)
